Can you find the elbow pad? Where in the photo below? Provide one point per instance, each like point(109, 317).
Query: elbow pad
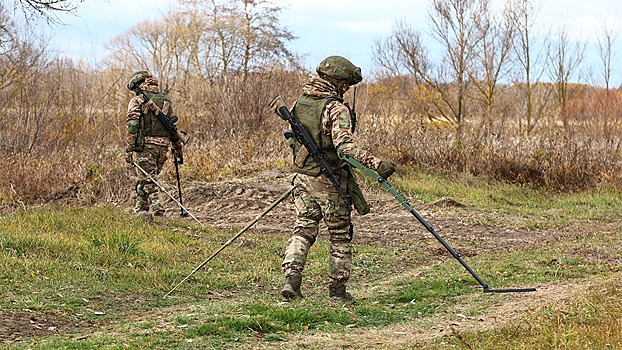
point(132, 126)
point(346, 148)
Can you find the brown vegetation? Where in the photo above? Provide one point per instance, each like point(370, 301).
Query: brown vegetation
point(63, 121)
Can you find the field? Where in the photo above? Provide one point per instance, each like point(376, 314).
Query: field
point(511, 148)
point(76, 276)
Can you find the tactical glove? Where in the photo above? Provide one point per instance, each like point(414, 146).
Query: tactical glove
point(178, 152)
point(129, 156)
point(385, 169)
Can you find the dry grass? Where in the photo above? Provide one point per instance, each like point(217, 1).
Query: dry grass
point(235, 134)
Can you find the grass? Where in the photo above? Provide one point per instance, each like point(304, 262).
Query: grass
point(591, 320)
point(536, 207)
point(102, 274)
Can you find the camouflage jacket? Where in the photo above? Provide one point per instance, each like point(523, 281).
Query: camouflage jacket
point(337, 122)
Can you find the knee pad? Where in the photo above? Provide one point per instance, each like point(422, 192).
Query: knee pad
point(140, 189)
point(150, 188)
point(300, 240)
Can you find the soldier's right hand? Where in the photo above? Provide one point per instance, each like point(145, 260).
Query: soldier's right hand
point(178, 153)
point(385, 169)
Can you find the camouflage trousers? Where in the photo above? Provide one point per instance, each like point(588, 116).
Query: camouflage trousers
point(315, 199)
point(151, 159)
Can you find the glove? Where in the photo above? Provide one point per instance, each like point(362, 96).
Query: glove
point(385, 169)
point(178, 153)
point(129, 156)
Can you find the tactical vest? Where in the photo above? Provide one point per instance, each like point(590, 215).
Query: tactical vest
point(309, 110)
point(151, 125)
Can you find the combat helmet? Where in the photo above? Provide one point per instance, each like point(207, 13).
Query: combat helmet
point(340, 68)
point(137, 79)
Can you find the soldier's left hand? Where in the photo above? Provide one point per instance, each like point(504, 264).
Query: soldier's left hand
point(129, 157)
point(386, 169)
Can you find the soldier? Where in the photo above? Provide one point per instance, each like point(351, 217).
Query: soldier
point(320, 108)
point(148, 139)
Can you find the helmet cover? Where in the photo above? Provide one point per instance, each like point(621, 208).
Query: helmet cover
point(137, 78)
point(340, 68)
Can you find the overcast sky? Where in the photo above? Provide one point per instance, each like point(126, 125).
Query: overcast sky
point(327, 27)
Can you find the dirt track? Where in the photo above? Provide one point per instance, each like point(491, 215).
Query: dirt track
point(235, 203)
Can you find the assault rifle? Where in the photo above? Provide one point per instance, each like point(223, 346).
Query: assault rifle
point(306, 140)
point(404, 202)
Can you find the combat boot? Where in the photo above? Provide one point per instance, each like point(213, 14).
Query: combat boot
point(291, 289)
point(157, 210)
point(339, 294)
point(145, 215)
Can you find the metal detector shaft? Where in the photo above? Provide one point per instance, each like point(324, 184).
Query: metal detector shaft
point(232, 239)
point(462, 262)
point(183, 213)
point(165, 191)
point(404, 202)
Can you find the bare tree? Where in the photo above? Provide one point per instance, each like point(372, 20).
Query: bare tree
point(45, 9)
point(245, 34)
point(402, 53)
point(169, 47)
point(403, 62)
point(605, 53)
point(23, 70)
point(454, 27)
point(564, 61)
point(7, 25)
point(491, 58)
point(196, 39)
point(523, 14)
point(264, 39)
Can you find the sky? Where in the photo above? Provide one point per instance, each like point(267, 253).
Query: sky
point(328, 27)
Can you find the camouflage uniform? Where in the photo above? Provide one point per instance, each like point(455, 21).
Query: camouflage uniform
point(149, 150)
point(315, 197)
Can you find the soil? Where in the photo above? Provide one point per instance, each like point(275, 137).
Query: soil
point(235, 203)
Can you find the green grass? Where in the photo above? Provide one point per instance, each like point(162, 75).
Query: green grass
point(527, 206)
point(103, 273)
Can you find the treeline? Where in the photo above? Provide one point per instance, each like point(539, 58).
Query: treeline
point(493, 104)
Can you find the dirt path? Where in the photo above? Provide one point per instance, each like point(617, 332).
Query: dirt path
point(236, 203)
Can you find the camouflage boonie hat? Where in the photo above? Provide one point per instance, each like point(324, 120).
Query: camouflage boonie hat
point(340, 68)
point(138, 78)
